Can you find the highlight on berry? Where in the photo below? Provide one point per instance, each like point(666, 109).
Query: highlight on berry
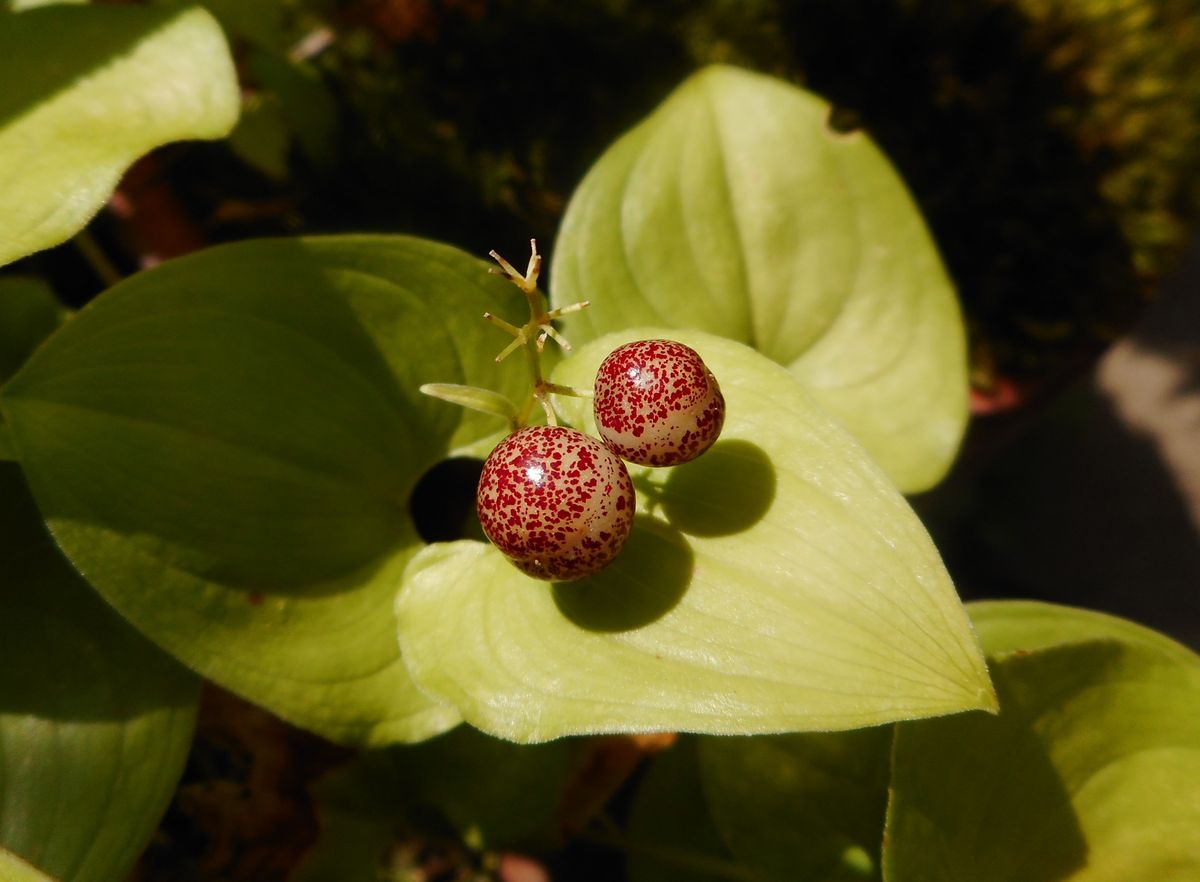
point(556, 502)
point(657, 404)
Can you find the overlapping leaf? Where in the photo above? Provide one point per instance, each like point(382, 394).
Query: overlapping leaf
point(29, 313)
point(86, 91)
point(95, 722)
point(805, 808)
point(671, 833)
point(734, 208)
point(226, 446)
point(777, 583)
point(1089, 773)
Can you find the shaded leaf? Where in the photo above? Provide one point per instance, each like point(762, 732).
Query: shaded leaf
point(95, 722)
point(7, 451)
point(735, 209)
point(89, 90)
point(806, 808)
point(494, 790)
point(778, 583)
point(672, 837)
point(226, 446)
point(261, 137)
point(29, 313)
point(1090, 772)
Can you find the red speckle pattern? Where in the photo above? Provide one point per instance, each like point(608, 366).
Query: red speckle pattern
point(657, 404)
point(557, 502)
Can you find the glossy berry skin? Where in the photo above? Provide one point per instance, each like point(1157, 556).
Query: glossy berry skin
point(557, 502)
point(657, 404)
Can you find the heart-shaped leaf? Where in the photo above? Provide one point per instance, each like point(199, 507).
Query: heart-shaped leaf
point(777, 583)
point(734, 208)
point(1089, 773)
point(226, 446)
point(95, 722)
point(87, 90)
point(803, 808)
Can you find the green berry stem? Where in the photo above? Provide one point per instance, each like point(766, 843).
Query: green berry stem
point(532, 335)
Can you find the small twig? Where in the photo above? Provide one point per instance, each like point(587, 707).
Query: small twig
point(97, 259)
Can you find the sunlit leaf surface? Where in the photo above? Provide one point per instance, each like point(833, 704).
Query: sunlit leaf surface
point(95, 722)
point(87, 90)
point(778, 583)
point(735, 209)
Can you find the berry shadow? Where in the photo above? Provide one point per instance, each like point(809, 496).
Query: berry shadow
point(727, 490)
point(643, 584)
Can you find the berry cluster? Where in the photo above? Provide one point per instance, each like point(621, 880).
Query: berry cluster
point(557, 502)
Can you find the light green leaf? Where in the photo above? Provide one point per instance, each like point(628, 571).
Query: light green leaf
point(95, 722)
point(671, 833)
point(495, 791)
point(802, 808)
point(88, 89)
point(23, 5)
point(29, 313)
point(1089, 773)
point(473, 398)
point(13, 869)
point(1013, 626)
point(226, 446)
point(735, 209)
point(779, 584)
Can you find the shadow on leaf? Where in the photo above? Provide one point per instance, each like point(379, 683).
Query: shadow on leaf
point(645, 582)
point(727, 490)
point(1016, 819)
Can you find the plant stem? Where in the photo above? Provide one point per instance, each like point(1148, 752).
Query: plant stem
point(97, 259)
point(532, 336)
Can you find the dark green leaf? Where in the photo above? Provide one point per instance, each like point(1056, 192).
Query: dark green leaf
point(29, 313)
point(226, 446)
point(498, 792)
point(672, 837)
point(805, 808)
point(95, 722)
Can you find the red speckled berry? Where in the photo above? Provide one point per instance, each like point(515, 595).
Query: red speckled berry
point(657, 404)
point(557, 502)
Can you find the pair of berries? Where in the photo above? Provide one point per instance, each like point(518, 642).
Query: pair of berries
point(560, 504)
